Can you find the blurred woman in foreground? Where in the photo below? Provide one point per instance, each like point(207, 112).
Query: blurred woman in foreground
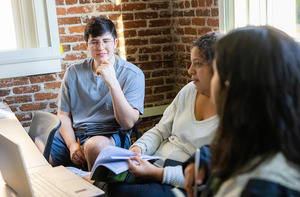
point(256, 89)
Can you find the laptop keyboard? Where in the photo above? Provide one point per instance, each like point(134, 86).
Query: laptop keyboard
point(42, 186)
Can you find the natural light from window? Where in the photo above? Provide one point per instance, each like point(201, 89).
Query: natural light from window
point(29, 38)
point(8, 35)
point(120, 32)
point(282, 14)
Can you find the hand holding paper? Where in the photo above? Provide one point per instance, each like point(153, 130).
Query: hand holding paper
point(140, 168)
point(115, 159)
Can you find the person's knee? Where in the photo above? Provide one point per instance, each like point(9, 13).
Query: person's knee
point(97, 144)
point(93, 146)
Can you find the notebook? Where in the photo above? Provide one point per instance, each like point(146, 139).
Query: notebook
point(24, 183)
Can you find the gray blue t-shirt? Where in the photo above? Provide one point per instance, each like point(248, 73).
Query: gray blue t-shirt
point(86, 96)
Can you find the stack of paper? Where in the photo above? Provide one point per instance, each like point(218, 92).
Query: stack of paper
point(5, 112)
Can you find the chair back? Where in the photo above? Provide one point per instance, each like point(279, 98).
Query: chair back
point(42, 128)
point(123, 133)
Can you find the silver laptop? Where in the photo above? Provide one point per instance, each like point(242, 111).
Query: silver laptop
point(40, 182)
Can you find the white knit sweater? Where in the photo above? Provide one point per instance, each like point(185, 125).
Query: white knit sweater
point(276, 169)
point(178, 134)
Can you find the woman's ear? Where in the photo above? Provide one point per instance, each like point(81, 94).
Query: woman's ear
point(227, 83)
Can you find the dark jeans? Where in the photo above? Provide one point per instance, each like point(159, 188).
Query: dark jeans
point(60, 152)
point(121, 189)
point(145, 189)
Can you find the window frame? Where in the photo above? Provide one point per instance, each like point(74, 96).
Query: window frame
point(226, 18)
point(34, 61)
point(227, 14)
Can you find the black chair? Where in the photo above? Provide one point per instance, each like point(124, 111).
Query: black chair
point(134, 129)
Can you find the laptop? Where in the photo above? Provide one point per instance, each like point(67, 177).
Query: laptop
point(24, 183)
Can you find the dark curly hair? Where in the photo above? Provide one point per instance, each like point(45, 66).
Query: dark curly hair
point(206, 45)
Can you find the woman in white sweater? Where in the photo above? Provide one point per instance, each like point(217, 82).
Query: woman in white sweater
point(189, 122)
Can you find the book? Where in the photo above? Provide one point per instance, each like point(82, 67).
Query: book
point(113, 161)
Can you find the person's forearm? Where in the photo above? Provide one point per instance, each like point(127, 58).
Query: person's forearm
point(150, 141)
point(125, 115)
point(158, 175)
point(66, 129)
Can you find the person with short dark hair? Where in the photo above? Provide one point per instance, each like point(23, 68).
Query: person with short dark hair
point(256, 89)
point(99, 97)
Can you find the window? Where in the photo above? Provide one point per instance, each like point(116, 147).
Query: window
point(284, 15)
point(31, 38)
point(7, 38)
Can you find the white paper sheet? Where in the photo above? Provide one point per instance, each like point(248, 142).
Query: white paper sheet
point(5, 112)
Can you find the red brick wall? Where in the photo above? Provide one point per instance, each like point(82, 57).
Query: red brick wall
point(191, 19)
point(25, 95)
point(155, 35)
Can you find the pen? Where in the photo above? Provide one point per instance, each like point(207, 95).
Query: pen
point(79, 147)
point(197, 164)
